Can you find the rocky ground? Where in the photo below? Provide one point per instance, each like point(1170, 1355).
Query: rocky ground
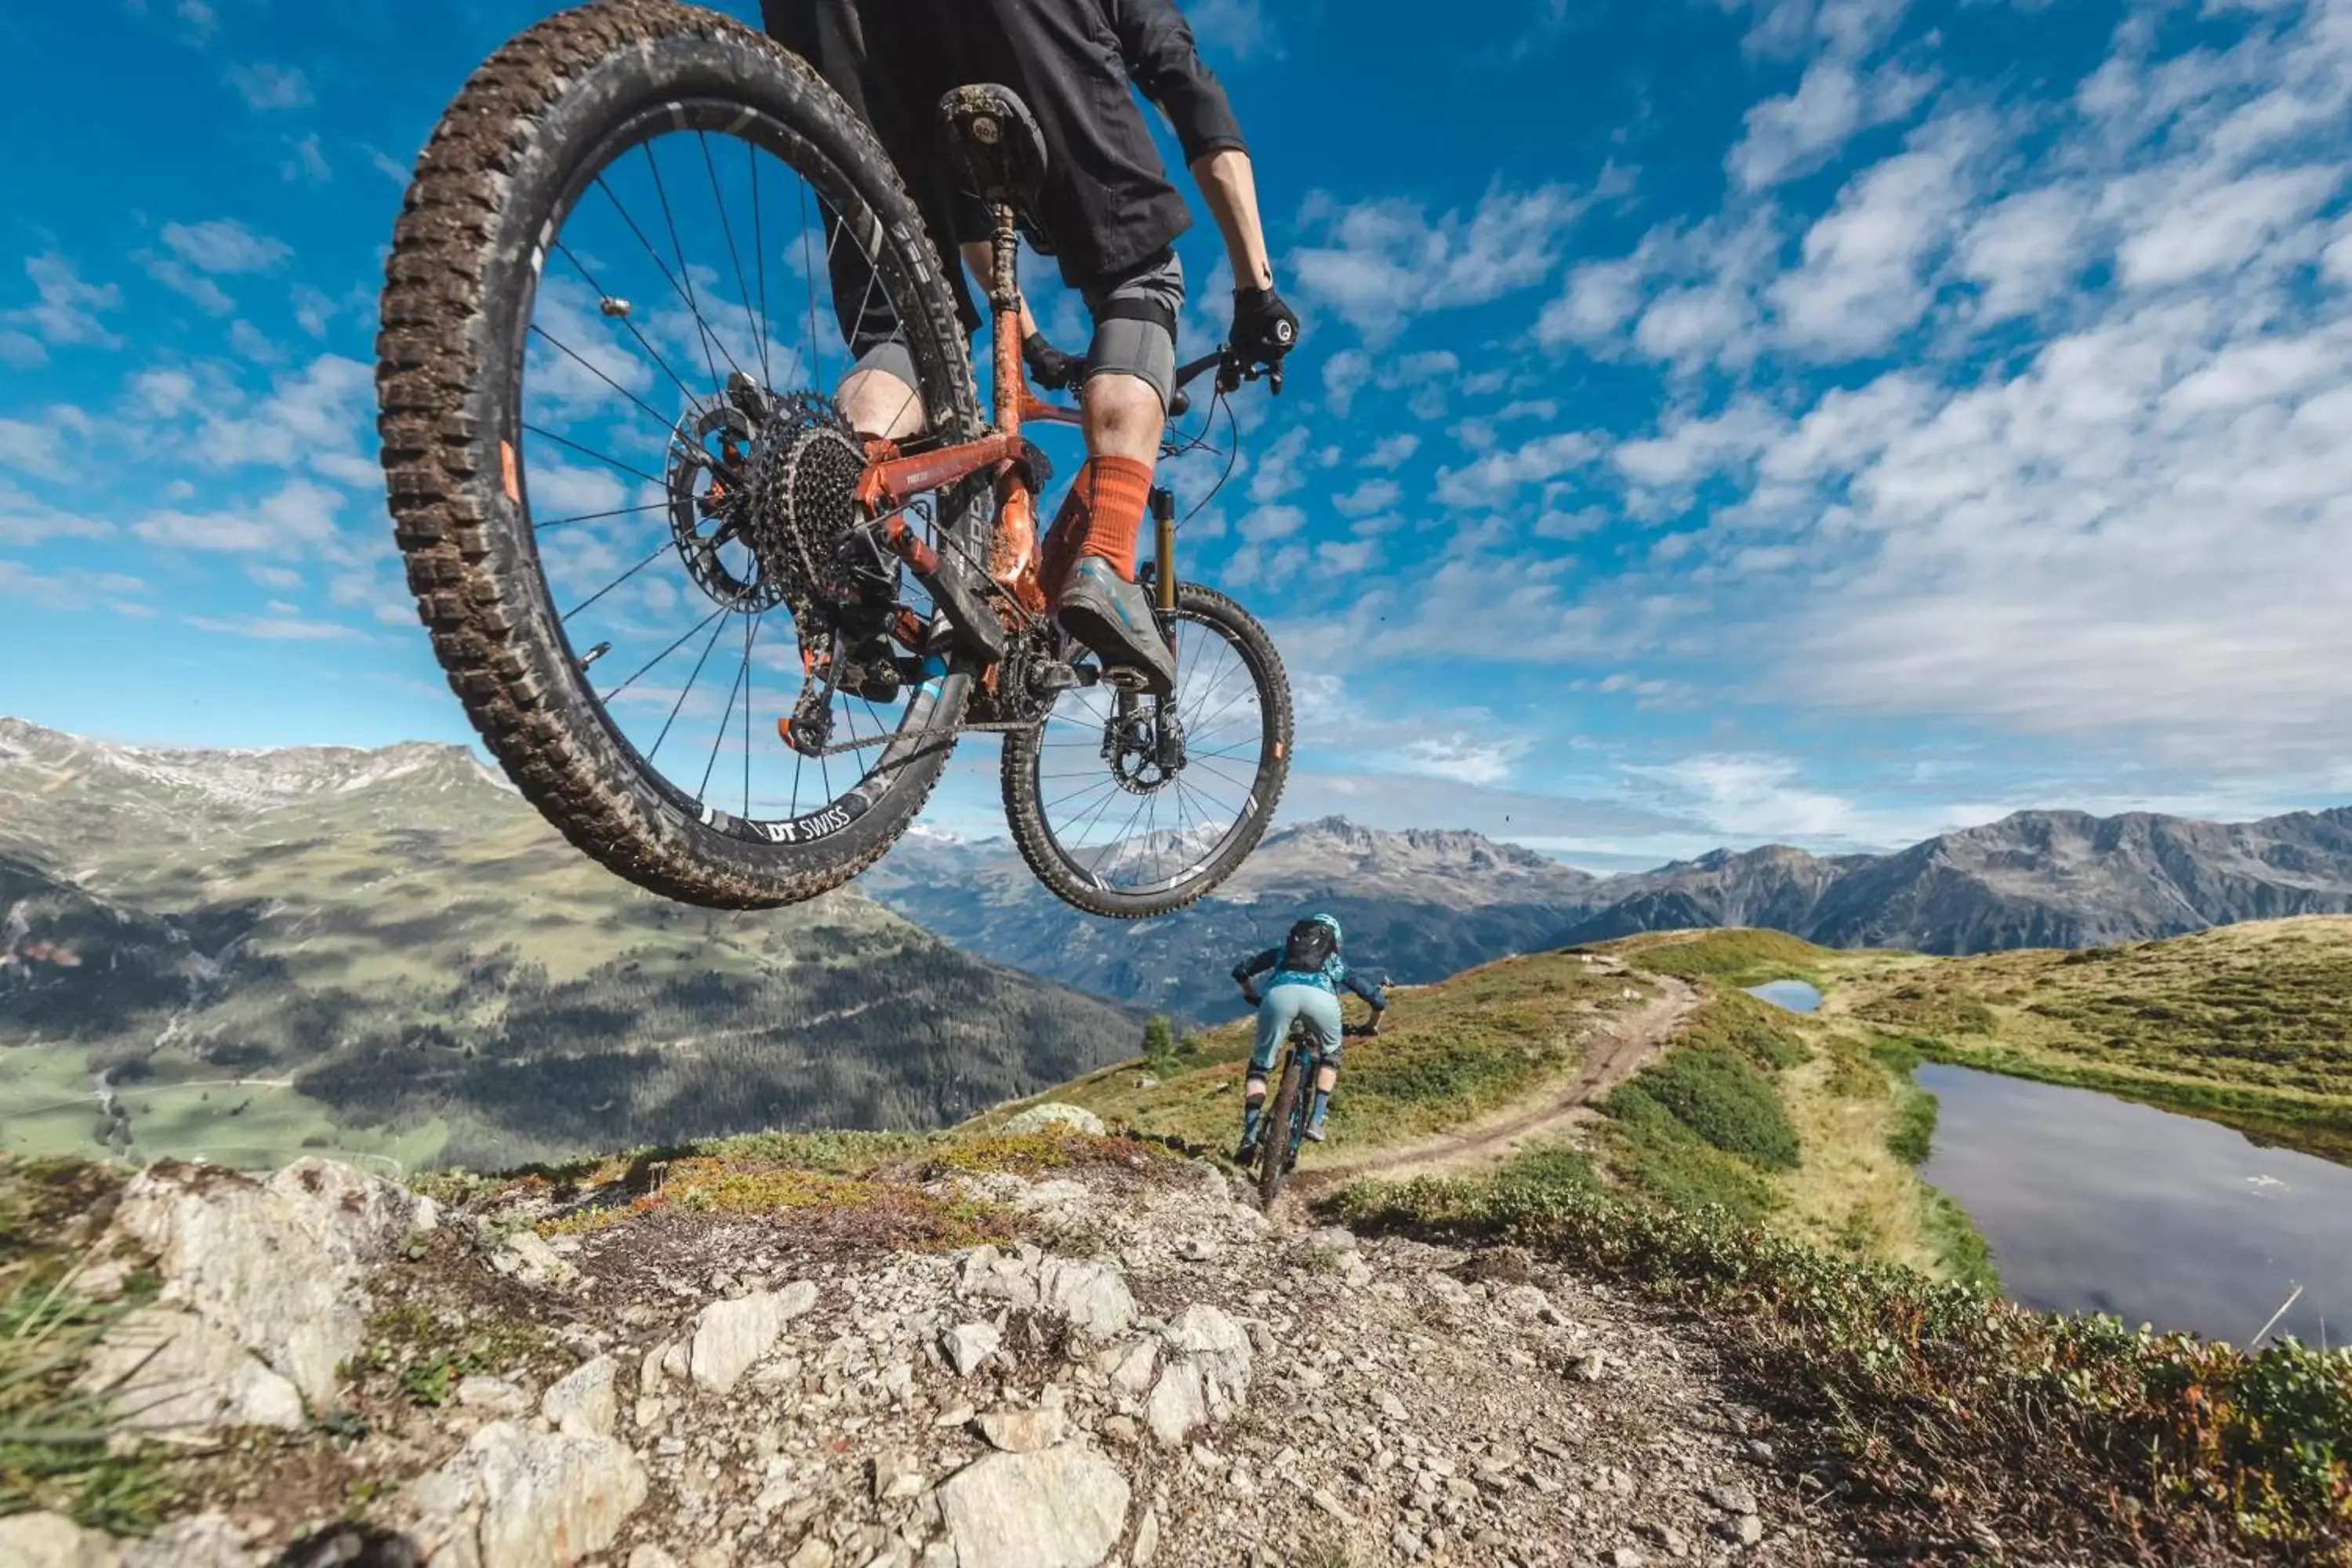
point(1136, 1369)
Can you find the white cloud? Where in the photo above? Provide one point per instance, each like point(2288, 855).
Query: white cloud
point(279, 627)
point(1465, 759)
point(1392, 451)
point(1863, 281)
point(1752, 797)
point(2220, 230)
point(73, 589)
point(1799, 132)
point(1371, 496)
point(1496, 478)
point(25, 521)
point(1689, 449)
point(1280, 469)
point(305, 162)
point(318, 416)
point(66, 309)
point(33, 448)
point(299, 515)
point(1234, 27)
point(187, 281)
point(2023, 252)
point(224, 245)
point(1382, 263)
point(1345, 373)
point(268, 87)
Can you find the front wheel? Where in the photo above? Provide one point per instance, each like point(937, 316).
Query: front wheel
point(1130, 805)
point(1276, 1135)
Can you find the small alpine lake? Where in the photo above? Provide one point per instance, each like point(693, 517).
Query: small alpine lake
point(1795, 995)
point(2094, 1203)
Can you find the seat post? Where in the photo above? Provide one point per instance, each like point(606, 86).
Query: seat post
point(1005, 302)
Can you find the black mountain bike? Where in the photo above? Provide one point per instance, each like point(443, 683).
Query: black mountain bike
point(1302, 1059)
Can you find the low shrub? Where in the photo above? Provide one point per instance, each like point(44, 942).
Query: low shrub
point(1721, 1098)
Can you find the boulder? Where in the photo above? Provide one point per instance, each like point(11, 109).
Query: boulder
point(1092, 1296)
point(1054, 1117)
point(53, 1541)
point(584, 1401)
point(729, 1336)
point(522, 1499)
point(969, 1344)
point(268, 1271)
point(988, 1275)
point(1063, 1507)
point(174, 1372)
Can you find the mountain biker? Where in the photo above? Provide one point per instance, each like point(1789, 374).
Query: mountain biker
point(1309, 975)
point(1108, 212)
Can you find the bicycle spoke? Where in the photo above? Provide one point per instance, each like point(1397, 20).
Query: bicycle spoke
point(751, 635)
point(685, 690)
point(665, 421)
point(596, 516)
point(685, 274)
point(702, 793)
point(759, 340)
point(808, 275)
point(642, 343)
point(662, 654)
point(659, 551)
point(759, 259)
point(591, 452)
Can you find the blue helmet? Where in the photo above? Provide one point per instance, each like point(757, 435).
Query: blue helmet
point(1333, 922)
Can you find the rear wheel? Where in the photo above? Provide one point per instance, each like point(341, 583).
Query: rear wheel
point(1275, 1134)
point(1130, 805)
point(611, 328)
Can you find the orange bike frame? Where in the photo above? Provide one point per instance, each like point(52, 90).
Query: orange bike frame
point(892, 480)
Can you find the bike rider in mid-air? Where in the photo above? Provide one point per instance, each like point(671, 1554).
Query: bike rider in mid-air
point(1308, 976)
point(1109, 213)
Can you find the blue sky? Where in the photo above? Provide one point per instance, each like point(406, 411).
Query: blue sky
point(1823, 421)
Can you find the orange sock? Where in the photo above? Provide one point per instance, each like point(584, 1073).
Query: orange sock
point(1102, 515)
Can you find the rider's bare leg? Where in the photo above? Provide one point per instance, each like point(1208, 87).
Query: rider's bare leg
point(1123, 417)
point(878, 404)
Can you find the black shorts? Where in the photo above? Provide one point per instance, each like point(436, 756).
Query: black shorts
point(1108, 208)
point(1135, 330)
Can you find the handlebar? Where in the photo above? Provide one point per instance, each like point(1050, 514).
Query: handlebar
point(1231, 371)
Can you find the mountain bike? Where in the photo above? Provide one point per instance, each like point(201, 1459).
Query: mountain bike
point(613, 463)
point(1287, 1113)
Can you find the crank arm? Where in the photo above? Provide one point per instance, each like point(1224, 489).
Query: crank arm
point(956, 587)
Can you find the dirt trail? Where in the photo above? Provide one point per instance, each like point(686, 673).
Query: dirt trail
point(1617, 1050)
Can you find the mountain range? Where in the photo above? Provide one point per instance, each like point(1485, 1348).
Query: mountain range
point(1421, 905)
point(389, 951)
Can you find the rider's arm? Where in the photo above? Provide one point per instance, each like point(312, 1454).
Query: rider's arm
point(1157, 44)
point(1369, 990)
point(1229, 184)
point(1257, 964)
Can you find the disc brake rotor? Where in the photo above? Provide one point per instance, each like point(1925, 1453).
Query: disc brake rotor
point(1144, 746)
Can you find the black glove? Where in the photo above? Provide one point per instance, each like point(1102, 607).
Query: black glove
point(1049, 367)
point(1264, 329)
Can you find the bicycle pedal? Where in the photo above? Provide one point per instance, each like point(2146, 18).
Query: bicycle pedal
point(1051, 678)
point(1125, 679)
